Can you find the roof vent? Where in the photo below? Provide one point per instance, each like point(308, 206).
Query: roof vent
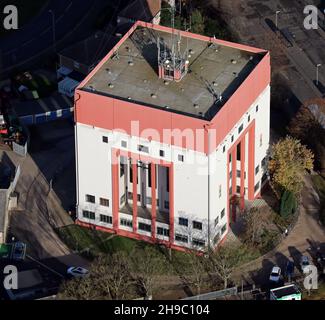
point(215, 84)
point(196, 106)
point(166, 83)
point(153, 96)
point(111, 85)
point(191, 51)
point(129, 98)
point(233, 61)
point(131, 63)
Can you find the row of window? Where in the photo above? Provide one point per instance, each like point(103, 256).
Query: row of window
point(184, 222)
point(222, 214)
point(145, 149)
point(102, 201)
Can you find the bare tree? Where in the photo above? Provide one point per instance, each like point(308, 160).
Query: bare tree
point(223, 262)
point(194, 270)
point(147, 265)
point(113, 274)
point(109, 277)
point(78, 289)
point(255, 222)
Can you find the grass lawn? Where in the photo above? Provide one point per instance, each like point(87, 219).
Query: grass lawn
point(26, 11)
point(319, 183)
point(95, 242)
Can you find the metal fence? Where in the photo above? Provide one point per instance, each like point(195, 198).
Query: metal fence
point(20, 149)
point(214, 295)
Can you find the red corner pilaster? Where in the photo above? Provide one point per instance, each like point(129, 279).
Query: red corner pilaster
point(242, 172)
point(153, 200)
point(234, 170)
point(251, 162)
point(115, 189)
point(135, 193)
point(171, 203)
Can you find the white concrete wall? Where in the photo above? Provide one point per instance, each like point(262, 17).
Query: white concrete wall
point(190, 176)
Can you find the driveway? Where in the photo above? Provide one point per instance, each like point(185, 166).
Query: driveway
point(307, 234)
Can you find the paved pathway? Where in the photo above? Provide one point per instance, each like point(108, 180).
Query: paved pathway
point(307, 233)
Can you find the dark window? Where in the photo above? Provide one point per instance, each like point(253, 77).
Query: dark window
point(167, 178)
point(230, 174)
point(229, 157)
point(240, 129)
point(131, 174)
point(166, 204)
point(126, 222)
point(181, 158)
point(232, 138)
point(144, 227)
point(197, 225)
point(104, 202)
point(183, 222)
point(163, 231)
point(238, 173)
point(106, 219)
point(90, 198)
point(223, 148)
point(216, 221)
point(122, 199)
point(238, 152)
point(237, 189)
point(222, 214)
point(149, 175)
point(105, 139)
point(169, 73)
point(88, 214)
point(220, 191)
point(257, 186)
point(198, 242)
point(124, 144)
point(223, 229)
point(263, 163)
point(121, 168)
point(249, 118)
point(256, 108)
point(143, 148)
point(264, 177)
point(257, 169)
point(161, 153)
point(181, 238)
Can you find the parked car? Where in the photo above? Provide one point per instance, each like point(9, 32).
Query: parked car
point(275, 274)
point(77, 272)
point(304, 262)
point(290, 269)
point(19, 251)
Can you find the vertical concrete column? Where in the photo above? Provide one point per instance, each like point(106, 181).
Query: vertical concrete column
point(242, 172)
point(171, 203)
point(153, 200)
point(135, 193)
point(115, 188)
point(251, 162)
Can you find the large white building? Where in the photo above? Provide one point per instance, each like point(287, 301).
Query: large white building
point(177, 120)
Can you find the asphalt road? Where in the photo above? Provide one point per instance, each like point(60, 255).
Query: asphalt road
point(74, 20)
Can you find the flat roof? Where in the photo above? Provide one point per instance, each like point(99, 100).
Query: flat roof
point(214, 70)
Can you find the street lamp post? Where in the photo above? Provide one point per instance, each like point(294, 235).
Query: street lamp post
point(317, 66)
point(276, 17)
point(53, 28)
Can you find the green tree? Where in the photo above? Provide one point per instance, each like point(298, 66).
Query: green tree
point(288, 164)
point(198, 25)
point(288, 204)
